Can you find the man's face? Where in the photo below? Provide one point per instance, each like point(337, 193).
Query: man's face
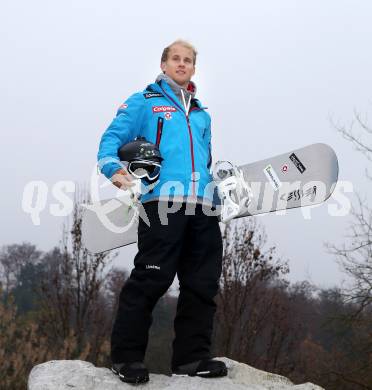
point(179, 65)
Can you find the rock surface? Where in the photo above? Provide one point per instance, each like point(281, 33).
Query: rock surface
point(80, 375)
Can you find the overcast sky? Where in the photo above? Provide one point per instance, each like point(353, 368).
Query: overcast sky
point(271, 72)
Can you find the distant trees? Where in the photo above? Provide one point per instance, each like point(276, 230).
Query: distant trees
point(296, 330)
point(71, 295)
point(61, 304)
point(355, 259)
point(355, 256)
point(13, 260)
point(261, 320)
point(244, 302)
point(20, 346)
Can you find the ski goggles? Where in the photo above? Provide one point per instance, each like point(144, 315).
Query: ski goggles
point(144, 169)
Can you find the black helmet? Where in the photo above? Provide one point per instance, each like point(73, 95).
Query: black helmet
point(143, 157)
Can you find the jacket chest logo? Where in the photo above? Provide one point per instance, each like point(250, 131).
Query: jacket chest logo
point(156, 109)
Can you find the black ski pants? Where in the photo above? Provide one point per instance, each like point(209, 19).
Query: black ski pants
point(189, 246)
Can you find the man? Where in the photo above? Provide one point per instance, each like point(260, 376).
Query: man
point(189, 244)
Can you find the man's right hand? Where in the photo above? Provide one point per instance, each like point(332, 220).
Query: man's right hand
point(122, 179)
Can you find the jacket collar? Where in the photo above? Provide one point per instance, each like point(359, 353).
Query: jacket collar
point(163, 87)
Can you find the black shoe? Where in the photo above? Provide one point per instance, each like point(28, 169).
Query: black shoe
point(131, 372)
point(207, 368)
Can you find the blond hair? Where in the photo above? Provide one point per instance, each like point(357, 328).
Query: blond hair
point(164, 56)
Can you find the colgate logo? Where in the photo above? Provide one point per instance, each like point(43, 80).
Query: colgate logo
point(164, 109)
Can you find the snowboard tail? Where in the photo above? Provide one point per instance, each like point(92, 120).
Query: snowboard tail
point(303, 177)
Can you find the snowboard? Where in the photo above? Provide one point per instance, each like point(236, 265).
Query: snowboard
point(299, 178)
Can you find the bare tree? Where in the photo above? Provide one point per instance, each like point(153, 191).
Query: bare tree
point(244, 303)
point(356, 132)
point(114, 282)
point(72, 292)
point(355, 259)
point(355, 256)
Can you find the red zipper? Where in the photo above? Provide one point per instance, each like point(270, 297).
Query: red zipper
point(191, 141)
point(159, 130)
point(192, 147)
point(192, 156)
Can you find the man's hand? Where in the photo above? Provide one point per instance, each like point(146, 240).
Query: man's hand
point(122, 179)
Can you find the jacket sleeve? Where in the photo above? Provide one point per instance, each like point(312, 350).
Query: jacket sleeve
point(124, 128)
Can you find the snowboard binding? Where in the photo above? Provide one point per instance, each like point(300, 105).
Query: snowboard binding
point(233, 190)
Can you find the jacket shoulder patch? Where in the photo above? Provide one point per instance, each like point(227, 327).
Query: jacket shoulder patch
point(150, 95)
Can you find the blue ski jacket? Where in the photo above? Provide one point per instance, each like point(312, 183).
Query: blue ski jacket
point(184, 140)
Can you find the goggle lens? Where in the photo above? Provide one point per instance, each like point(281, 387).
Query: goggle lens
point(143, 169)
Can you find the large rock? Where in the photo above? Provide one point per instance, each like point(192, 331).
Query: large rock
point(79, 375)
